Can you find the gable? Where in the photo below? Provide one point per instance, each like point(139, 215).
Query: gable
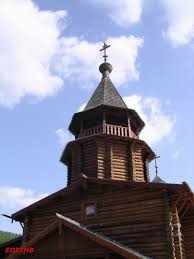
point(49, 201)
point(67, 243)
point(135, 214)
point(66, 237)
point(81, 186)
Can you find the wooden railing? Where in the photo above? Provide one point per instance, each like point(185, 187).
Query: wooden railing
point(91, 131)
point(108, 129)
point(117, 130)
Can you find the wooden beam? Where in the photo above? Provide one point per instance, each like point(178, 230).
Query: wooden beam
point(192, 201)
point(176, 203)
point(185, 211)
point(182, 205)
point(60, 228)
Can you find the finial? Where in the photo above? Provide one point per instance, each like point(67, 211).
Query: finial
point(157, 179)
point(104, 49)
point(156, 166)
point(105, 68)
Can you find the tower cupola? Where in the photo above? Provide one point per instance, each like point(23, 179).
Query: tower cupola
point(107, 143)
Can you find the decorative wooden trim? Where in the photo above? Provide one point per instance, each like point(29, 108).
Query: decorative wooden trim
point(181, 207)
point(178, 241)
point(173, 207)
point(182, 204)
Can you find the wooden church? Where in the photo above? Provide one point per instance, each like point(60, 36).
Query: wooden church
point(110, 208)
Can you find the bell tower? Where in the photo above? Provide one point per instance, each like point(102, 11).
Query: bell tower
point(107, 143)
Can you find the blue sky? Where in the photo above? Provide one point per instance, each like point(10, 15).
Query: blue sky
point(49, 68)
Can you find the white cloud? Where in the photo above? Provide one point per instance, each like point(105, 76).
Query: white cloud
point(29, 39)
point(80, 59)
point(159, 124)
point(36, 60)
point(64, 136)
point(17, 198)
point(122, 12)
point(180, 19)
point(177, 153)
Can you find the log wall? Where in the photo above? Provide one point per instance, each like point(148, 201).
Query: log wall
point(137, 218)
point(75, 163)
point(114, 160)
point(138, 166)
point(120, 161)
point(101, 160)
point(89, 163)
point(43, 217)
point(108, 158)
point(67, 243)
point(104, 157)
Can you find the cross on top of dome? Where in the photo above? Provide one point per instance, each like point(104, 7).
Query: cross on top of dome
point(105, 46)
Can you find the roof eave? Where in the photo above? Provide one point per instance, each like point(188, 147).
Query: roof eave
point(19, 215)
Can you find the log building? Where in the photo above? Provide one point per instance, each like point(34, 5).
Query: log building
point(110, 209)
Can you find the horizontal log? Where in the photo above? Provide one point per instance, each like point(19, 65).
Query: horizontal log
point(121, 178)
point(118, 171)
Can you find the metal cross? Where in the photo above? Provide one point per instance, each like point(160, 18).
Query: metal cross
point(156, 166)
point(104, 48)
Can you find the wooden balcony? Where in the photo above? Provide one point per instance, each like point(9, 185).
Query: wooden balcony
point(108, 129)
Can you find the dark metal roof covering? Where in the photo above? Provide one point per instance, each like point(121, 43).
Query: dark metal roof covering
point(157, 179)
point(99, 238)
point(105, 93)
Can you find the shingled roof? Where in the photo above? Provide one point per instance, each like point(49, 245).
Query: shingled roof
point(106, 92)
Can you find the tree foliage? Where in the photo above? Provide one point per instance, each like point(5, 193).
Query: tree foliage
point(6, 236)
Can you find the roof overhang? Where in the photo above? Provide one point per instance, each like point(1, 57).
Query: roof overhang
point(65, 155)
point(84, 182)
point(77, 117)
